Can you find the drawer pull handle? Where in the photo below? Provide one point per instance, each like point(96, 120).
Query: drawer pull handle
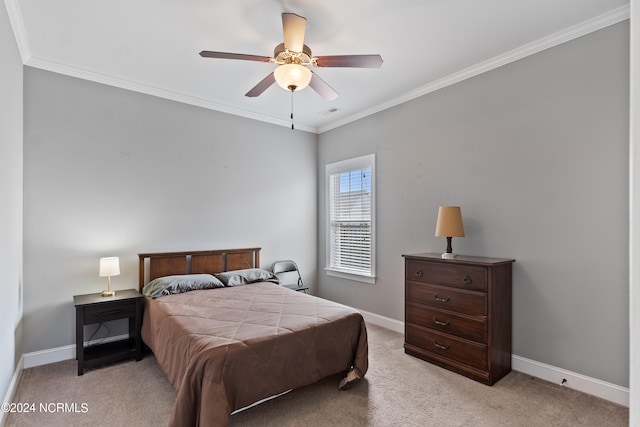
point(440, 322)
point(467, 280)
point(107, 313)
point(439, 298)
point(440, 346)
point(419, 273)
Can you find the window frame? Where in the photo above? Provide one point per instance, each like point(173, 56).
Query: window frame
point(343, 166)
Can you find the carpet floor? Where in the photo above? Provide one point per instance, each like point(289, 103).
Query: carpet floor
point(398, 390)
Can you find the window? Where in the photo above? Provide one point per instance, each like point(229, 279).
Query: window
point(350, 218)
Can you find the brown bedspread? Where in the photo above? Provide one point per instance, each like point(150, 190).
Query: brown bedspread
point(224, 349)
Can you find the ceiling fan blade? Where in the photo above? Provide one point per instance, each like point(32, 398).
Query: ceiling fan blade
point(262, 86)
point(355, 61)
point(322, 87)
point(227, 55)
point(293, 27)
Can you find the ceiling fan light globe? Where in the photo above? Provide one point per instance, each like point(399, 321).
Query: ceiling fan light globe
point(292, 75)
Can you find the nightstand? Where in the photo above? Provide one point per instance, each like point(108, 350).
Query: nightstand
point(94, 308)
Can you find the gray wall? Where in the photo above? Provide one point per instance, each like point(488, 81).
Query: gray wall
point(536, 153)
point(109, 172)
point(11, 206)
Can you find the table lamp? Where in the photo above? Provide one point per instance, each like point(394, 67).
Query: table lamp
point(109, 266)
point(449, 225)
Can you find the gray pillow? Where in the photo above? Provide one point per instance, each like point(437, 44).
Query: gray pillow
point(168, 285)
point(244, 277)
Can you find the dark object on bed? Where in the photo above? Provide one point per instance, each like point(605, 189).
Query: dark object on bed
point(288, 266)
point(226, 348)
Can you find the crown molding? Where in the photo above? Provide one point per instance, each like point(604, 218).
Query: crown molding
point(19, 32)
point(602, 21)
point(597, 23)
point(156, 91)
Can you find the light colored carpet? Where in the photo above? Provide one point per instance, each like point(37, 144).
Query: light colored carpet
point(398, 390)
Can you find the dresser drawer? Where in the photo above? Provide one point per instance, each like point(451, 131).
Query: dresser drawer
point(460, 276)
point(109, 311)
point(467, 302)
point(471, 328)
point(447, 346)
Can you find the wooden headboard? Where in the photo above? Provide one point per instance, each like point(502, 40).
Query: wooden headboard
point(154, 265)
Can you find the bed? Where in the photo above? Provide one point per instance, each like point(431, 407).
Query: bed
point(227, 347)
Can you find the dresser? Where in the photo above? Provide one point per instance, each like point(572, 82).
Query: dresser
point(458, 313)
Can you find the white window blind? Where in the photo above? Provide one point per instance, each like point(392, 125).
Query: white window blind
point(350, 225)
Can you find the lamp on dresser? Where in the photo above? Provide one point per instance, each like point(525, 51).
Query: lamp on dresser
point(449, 225)
point(109, 266)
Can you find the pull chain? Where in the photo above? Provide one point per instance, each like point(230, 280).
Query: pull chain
point(292, 89)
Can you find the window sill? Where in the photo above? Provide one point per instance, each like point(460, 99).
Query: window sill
point(350, 276)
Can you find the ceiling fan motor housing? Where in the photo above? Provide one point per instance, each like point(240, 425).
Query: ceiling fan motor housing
point(281, 55)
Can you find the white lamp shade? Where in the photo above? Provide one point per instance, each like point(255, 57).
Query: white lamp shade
point(109, 266)
point(292, 75)
point(449, 222)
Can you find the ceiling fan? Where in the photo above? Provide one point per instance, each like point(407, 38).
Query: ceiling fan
point(294, 58)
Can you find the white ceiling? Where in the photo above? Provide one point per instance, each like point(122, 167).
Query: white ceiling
point(152, 46)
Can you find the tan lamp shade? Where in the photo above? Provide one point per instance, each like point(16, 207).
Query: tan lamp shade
point(449, 222)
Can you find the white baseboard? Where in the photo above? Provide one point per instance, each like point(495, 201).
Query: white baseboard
point(53, 355)
point(592, 386)
point(11, 391)
point(385, 322)
point(589, 385)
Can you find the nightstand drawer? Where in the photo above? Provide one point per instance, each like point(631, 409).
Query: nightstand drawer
point(448, 346)
point(460, 276)
point(104, 312)
point(471, 328)
point(467, 302)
